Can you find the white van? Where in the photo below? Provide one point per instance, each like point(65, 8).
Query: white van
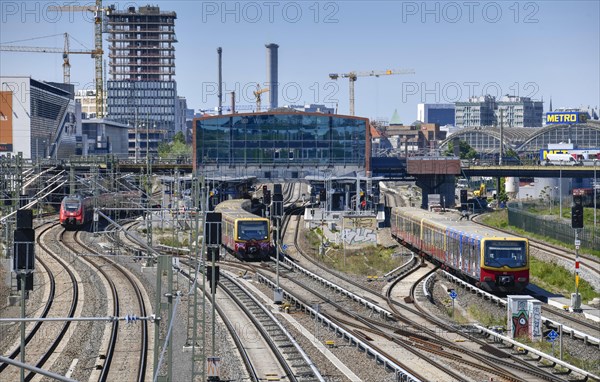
point(561, 160)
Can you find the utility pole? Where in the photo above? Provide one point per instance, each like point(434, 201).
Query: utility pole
point(501, 139)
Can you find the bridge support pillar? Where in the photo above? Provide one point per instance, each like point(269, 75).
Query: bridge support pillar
point(444, 185)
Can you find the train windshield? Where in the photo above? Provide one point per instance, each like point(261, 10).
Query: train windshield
point(512, 254)
point(71, 204)
point(253, 230)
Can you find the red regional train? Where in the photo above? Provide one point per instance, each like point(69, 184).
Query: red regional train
point(493, 260)
point(76, 211)
point(244, 234)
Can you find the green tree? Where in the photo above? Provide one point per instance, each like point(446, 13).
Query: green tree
point(466, 151)
point(175, 149)
point(502, 196)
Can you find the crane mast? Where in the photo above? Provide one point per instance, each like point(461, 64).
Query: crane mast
point(98, 60)
point(353, 76)
point(257, 93)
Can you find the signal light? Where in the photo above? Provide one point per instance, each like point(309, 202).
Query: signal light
point(577, 216)
point(322, 195)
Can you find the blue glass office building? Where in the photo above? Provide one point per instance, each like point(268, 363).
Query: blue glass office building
point(286, 144)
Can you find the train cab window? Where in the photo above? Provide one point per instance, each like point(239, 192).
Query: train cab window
point(505, 253)
point(253, 230)
point(71, 204)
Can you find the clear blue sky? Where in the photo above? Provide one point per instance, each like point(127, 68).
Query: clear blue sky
point(538, 49)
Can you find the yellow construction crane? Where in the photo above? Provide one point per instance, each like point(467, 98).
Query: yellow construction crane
point(98, 52)
point(352, 76)
point(257, 94)
point(65, 52)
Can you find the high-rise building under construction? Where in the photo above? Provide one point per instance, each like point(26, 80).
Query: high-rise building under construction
point(141, 88)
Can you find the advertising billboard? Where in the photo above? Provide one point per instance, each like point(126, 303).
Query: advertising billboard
point(565, 117)
point(6, 121)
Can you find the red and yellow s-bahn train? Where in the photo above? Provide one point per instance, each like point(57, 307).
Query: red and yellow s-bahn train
point(243, 233)
point(493, 260)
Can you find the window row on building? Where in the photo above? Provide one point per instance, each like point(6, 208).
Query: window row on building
point(119, 112)
point(305, 138)
point(146, 95)
point(141, 85)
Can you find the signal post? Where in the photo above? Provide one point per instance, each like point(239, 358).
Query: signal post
point(576, 224)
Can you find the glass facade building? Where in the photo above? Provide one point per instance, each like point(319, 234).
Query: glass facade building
point(440, 113)
point(300, 142)
point(141, 86)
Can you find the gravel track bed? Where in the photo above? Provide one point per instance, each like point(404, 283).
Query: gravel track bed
point(362, 365)
point(127, 348)
point(590, 355)
point(36, 301)
point(231, 365)
point(9, 332)
point(48, 331)
point(84, 343)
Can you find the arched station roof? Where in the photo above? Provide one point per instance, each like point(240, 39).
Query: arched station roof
point(487, 139)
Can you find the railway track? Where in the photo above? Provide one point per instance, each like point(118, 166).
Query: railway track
point(490, 365)
point(122, 303)
point(292, 361)
point(56, 335)
point(492, 360)
point(289, 355)
point(368, 324)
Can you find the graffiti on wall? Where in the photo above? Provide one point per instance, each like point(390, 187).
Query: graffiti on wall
point(359, 236)
point(360, 222)
point(520, 320)
point(535, 320)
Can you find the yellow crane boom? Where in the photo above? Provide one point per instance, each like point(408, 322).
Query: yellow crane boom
point(66, 51)
point(98, 52)
point(353, 76)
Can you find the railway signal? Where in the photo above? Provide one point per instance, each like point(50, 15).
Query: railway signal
point(277, 215)
point(576, 224)
point(577, 216)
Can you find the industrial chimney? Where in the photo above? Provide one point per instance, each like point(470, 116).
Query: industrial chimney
point(220, 95)
point(272, 74)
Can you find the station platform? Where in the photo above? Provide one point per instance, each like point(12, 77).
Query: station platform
point(589, 312)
